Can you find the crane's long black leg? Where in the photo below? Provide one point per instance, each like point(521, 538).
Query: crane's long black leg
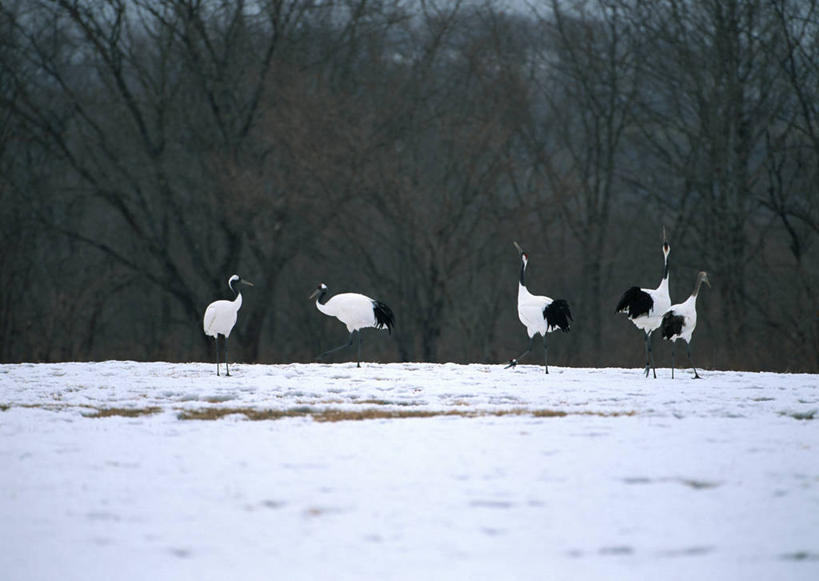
point(358, 358)
point(514, 361)
point(649, 355)
point(227, 369)
point(216, 344)
point(688, 350)
point(334, 349)
point(545, 354)
point(673, 344)
point(645, 339)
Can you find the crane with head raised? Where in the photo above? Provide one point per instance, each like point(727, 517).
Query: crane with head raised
point(646, 307)
point(539, 314)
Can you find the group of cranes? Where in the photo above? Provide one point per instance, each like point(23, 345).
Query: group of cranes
point(651, 309)
point(648, 309)
point(355, 310)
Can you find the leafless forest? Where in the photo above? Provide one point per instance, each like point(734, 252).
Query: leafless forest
point(151, 148)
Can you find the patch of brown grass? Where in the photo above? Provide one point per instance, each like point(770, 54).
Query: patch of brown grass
point(123, 412)
point(373, 413)
point(606, 414)
point(216, 413)
point(323, 414)
point(330, 415)
point(549, 413)
point(808, 415)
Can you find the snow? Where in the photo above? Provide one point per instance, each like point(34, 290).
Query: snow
point(463, 472)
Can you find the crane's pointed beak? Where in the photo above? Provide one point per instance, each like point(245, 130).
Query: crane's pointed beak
point(518, 247)
point(247, 282)
point(313, 294)
point(665, 238)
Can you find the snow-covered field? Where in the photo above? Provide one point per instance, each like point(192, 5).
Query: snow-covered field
point(124, 470)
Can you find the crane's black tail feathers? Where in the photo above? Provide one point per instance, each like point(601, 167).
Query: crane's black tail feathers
point(635, 301)
point(558, 314)
point(672, 325)
point(383, 316)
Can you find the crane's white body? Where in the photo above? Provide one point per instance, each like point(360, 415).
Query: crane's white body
point(220, 317)
point(681, 320)
point(688, 311)
point(356, 311)
point(353, 309)
point(646, 307)
point(530, 312)
point(661, 300)
point(636, 300)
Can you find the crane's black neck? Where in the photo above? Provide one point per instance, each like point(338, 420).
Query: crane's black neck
point(665, 268)
point(697, 286)
point(235, 289)
point(523, 273)
point(322, 297)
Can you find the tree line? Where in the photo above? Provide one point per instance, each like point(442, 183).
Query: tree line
point(151, 148)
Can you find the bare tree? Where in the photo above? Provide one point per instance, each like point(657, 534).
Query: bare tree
point(591, 82)
point(150, 149)
point(712, 116)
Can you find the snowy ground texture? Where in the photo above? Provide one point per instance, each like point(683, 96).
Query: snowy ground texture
point(124, 470)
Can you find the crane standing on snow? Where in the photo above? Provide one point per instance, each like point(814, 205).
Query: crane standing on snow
point(538, 314)
point(220, 316)
point(645, 307)
point(680, 320)
point(355, 310)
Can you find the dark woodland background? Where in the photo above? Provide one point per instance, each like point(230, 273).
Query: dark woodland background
point(149, 149)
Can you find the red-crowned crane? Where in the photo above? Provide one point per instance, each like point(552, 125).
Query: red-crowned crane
point(220, 316)
point(538, 314)
point(646, 307)
point(680, 320)
point(356, 311)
